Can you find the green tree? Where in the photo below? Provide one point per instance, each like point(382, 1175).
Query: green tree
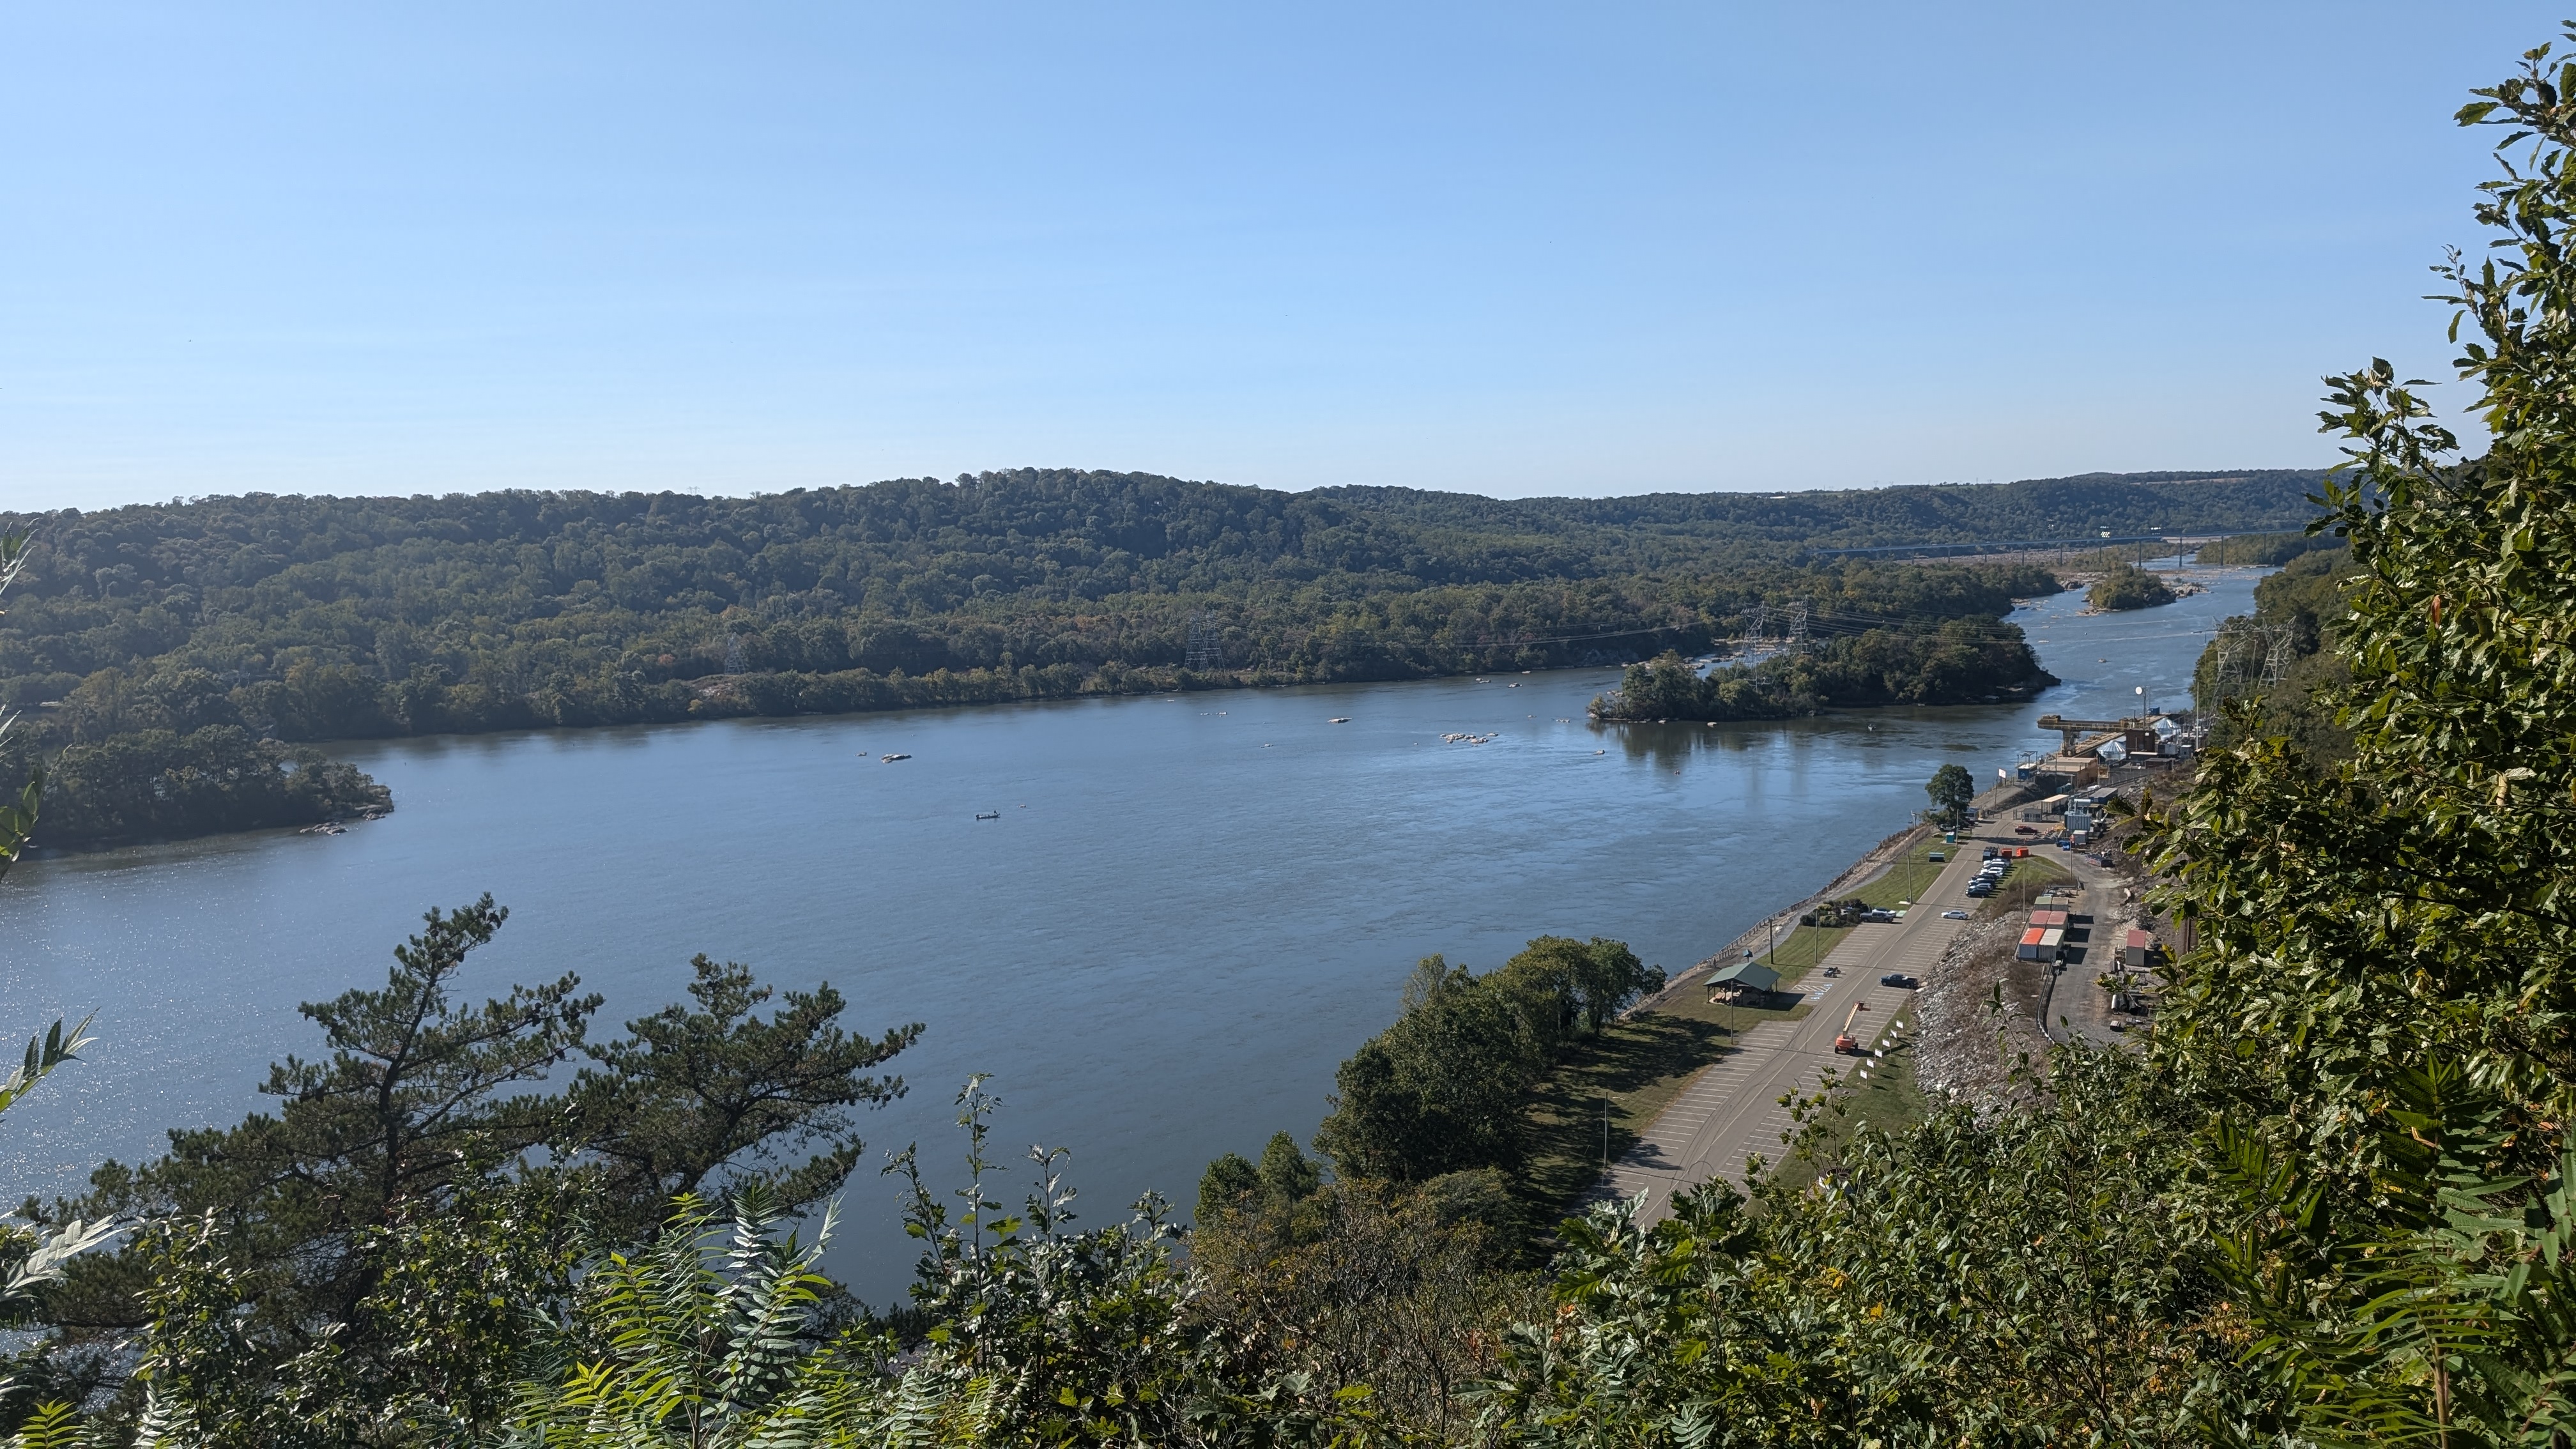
point(1444, 1088)
point(419, 1095)
point(691, 1091)
point(1953, 791)
point(1981, 1278)
point(1230, 1182)
point(402, 1223)
point(704, 1340)
point(2374, 1010)
point(2126, 586)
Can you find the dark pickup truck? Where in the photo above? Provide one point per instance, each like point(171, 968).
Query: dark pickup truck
point(1897, 979)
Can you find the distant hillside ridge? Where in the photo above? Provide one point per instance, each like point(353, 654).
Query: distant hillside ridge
point(316, 618)
point(1934, 513)
point(1215, 532)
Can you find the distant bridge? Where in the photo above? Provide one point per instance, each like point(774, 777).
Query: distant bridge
point(2018, 545)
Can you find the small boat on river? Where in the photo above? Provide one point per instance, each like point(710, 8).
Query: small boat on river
point(890, 759)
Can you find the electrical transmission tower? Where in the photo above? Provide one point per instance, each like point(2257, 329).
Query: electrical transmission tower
point(2276, 654)
point(1758, 633)
point(1205, 651)
point(2251, 655)
point(1797, 626)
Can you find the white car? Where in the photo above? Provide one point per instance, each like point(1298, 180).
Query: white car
point(1954, 915)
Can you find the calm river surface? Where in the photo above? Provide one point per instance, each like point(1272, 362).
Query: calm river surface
point(1191, 908)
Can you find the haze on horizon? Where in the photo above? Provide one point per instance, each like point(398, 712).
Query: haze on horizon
point(1509, 250)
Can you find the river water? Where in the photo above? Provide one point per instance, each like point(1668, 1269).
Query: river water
point(1191, 908)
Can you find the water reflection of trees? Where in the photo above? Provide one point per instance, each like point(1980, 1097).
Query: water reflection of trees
point(1669, 746)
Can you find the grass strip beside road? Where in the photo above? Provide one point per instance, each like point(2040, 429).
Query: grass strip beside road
point(1640, 1065)
point(1888, 1100)
point(1643, 1063)
point(1803, 947)
point(1911, 875)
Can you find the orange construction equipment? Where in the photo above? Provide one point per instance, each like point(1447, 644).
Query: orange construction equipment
point(1848, 1044)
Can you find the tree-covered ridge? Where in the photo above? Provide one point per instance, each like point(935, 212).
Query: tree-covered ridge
point(660, 609)
point(515, 592)
point(2281, 660)
point(1070, 534)
point(305, 619)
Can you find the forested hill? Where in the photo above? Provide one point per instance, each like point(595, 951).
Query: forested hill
point(921, 545)
point(2032, 509)
point(316, 618)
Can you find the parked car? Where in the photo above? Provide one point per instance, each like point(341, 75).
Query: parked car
point(1954, 915)
point(1989, 855)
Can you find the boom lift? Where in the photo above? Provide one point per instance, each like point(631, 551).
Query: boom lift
point(1848, 1044)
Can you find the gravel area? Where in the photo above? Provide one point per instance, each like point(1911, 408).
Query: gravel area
point(1975, 1021)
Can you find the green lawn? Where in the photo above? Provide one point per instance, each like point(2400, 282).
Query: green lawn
point(1887, 1099)
point(1639, 1065)
point(1911, 876)
point(2039, 868)
point(1803, 947)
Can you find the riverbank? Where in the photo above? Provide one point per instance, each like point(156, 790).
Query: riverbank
point(1881, 858)
point(1660, 1060)
point(1210, 900)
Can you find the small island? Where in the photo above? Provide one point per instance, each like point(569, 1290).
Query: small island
point(1964, 661)
point(2128, 586)
point(163, 785)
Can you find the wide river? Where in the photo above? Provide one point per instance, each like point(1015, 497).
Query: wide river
point(1191, 909)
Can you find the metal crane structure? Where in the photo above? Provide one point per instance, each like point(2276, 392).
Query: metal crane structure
point(2071, 730)
point(1845, 1042)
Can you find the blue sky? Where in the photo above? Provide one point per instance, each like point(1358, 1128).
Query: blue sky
point(1500, 248)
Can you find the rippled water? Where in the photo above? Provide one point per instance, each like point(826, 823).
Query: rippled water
point(1191, 908)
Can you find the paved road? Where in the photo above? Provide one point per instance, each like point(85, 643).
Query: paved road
point(2077, 1007)
point(1733, 1109)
